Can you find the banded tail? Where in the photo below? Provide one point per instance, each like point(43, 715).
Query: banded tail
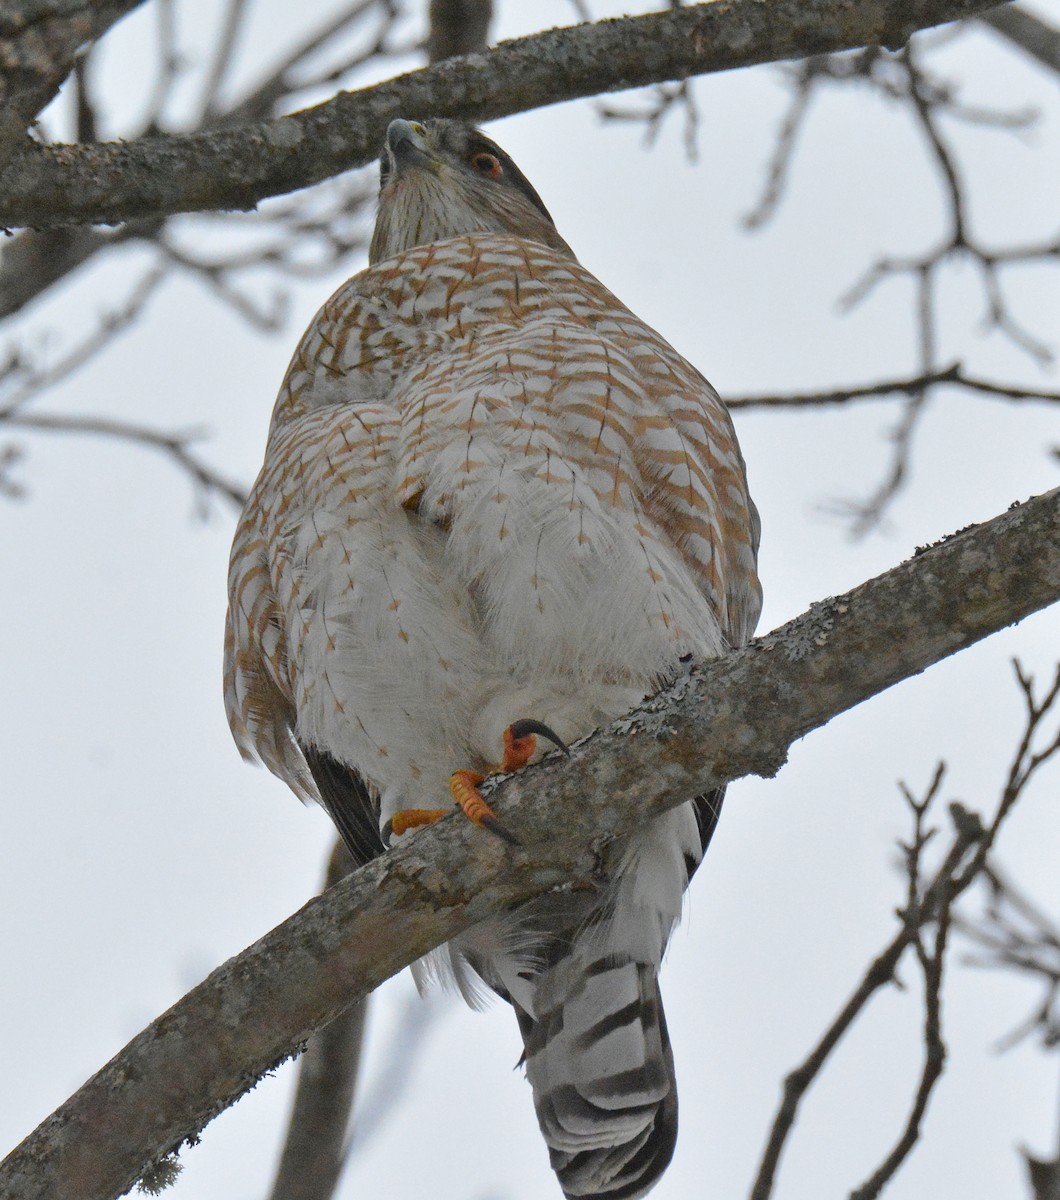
point(598, 1059)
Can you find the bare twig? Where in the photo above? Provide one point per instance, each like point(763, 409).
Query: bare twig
point(282, 79)
point(177, 446)
point(313, 1155)
point(664, 98)
point(231, 28)
point(31, 383)
point(925, 98)
point(458, 27)
point(34, 260)
point(1015, 935)
point(928, 911)
point(11, 488)
point(28, 384)
point(414, 1023)
point(954, 375)
point(931, 963)
point(879, 974)
point(217, 276)
point(902, 78)
point(1031, 33)
point(87, 130)
point(170, 64)
point(804, 76)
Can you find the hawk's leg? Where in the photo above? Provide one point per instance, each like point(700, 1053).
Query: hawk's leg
point(520, 742)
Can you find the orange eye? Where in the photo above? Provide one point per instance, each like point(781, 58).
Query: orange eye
point(487, 164)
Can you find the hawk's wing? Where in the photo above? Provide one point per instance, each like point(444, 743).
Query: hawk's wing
point(348, 802)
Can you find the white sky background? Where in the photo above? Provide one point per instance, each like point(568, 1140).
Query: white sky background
point(137, 852)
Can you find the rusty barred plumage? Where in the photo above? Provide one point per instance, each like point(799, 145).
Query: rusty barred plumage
point(491, 493)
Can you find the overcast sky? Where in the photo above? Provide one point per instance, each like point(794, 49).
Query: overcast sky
point(137, 852)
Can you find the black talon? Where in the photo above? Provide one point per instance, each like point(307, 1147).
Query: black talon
point(521, 728)
point(498, 829)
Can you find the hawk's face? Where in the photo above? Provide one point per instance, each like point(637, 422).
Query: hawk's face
point(440, 179)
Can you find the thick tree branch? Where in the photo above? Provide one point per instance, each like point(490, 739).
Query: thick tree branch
point(725, 719)
point(236, 168)
point(38, 45)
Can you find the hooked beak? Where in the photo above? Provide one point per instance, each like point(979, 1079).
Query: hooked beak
point(406, 145)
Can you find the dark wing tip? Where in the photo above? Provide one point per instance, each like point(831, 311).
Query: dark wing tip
point(348, 803)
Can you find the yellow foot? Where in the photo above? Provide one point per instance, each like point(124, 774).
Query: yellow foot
point(520, 742)
point(410, 818)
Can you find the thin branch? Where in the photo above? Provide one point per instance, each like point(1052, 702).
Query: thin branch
point(381, 1098)
point(86, 117)
point(33, 260)
point(10, 488)
point(718, 722)
point(217, 277)
point(901, 78)
point(880, 973)
point(1016, 936)
point(927, 96)
point(806, 76)
point(929, 904)
point(458, 27)
point(222, 60)
point(177, 446)
point(1031, 33)
point(313, 1154)
point(48, 185)
point(280, 82)
point(932, 963)
point(31, 383)
point(924, 107)
point(868, 514)
point(954, 375)
point(663, 100)
point(170, 64)
point(372, 53)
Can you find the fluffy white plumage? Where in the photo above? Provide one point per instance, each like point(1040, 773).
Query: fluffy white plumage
point(492, 493)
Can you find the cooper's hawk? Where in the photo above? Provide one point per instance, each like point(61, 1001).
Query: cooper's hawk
point(495, 504)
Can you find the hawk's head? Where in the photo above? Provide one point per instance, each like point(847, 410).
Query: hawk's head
point(439, 179)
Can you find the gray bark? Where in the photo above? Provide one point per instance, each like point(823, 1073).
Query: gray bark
point(729, 718)
point(39, 40)
point(112, 182)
